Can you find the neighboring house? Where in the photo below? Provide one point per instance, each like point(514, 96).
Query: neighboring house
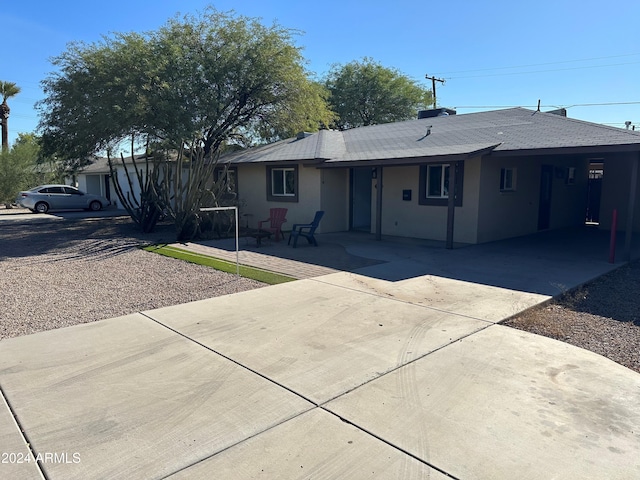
point(516, 172)
point(96, 179)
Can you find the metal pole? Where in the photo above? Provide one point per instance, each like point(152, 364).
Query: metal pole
point(235, 209)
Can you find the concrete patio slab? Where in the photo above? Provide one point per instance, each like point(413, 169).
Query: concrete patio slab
point(314, 445)
point(15, 457)
point(128, 398)
point(519, 264)
point(474, 300)
point(506, 404)
point(319, 340)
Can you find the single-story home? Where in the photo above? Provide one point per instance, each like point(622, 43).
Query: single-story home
point(512, 172)
point(469, 178)
point(96, 179)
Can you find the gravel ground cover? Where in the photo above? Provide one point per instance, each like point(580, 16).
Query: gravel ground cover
point(67, 272)
point(602, 316)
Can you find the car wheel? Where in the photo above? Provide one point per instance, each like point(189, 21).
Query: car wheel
point(95, 206)
point(42, 207)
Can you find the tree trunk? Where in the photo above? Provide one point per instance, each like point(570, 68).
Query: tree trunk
point(4, 117)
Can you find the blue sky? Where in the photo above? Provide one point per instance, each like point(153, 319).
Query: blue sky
point(491, 53)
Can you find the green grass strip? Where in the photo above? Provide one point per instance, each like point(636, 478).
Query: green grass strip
point(218, 264)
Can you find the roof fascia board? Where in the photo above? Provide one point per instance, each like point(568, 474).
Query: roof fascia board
point(635, 147)
point(385, 162)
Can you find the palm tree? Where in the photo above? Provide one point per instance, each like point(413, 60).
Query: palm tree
point(7, 90)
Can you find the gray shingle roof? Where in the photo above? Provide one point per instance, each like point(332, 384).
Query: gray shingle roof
point(502, 132)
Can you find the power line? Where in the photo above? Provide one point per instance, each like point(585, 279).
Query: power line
point(551, 106)
point(542, 71)
point(539, 64)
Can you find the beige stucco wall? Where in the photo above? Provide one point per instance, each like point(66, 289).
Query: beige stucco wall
point(510, 214)
point(616, 183)
point(252, 192)
point(410, 219)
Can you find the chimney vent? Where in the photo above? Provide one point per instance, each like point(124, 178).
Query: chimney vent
point(435, 112)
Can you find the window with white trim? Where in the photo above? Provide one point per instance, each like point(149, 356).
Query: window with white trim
point(571, 176)
point(434, 187)
point(437, 181)
point(507, 179)
point(282, 184)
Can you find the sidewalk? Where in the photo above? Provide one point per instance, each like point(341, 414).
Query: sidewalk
point(397, 369)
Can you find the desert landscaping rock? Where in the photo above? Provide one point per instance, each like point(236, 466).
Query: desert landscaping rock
point(64, 273)
point(602, 316)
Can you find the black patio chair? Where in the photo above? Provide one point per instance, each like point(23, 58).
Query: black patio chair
point(306, 230)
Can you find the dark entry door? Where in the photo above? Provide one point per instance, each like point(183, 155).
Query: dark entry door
point(360, 214)
point(544, 209)
point(593, 199)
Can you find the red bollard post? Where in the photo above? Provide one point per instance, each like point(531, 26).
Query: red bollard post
point(612, 242)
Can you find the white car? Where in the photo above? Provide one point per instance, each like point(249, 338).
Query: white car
point(59, 197)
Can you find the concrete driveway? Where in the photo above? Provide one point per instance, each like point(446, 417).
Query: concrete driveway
point(23, 215)
point(396, 370)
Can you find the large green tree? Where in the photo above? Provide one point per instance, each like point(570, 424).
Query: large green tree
point(194, 86)
point(367, 93)
point(7, 90)
point(215, 77)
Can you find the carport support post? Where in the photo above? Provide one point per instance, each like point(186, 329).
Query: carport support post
point(631, 209)
point(451, 204)
point(379, 203)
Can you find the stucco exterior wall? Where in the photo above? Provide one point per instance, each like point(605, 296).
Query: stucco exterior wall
point(252, 192)
point(616, 183)
point(81, 182)
point(514, 213)
point(410, 219)
point(95, 183)
point(334, 199)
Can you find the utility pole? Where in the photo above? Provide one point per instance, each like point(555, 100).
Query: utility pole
point(433, 82)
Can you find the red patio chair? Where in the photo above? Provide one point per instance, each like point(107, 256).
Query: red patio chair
point(277, 216)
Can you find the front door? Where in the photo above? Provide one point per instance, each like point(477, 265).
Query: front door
point(360, 212)
point(546, 185)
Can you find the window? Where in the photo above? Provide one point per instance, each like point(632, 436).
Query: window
point(434, 184)
point(52, 190)
point(507, 179)
point(228, 179)
point(438, 181)
point(571, 176)
point(72, 191)
point(282, 184)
